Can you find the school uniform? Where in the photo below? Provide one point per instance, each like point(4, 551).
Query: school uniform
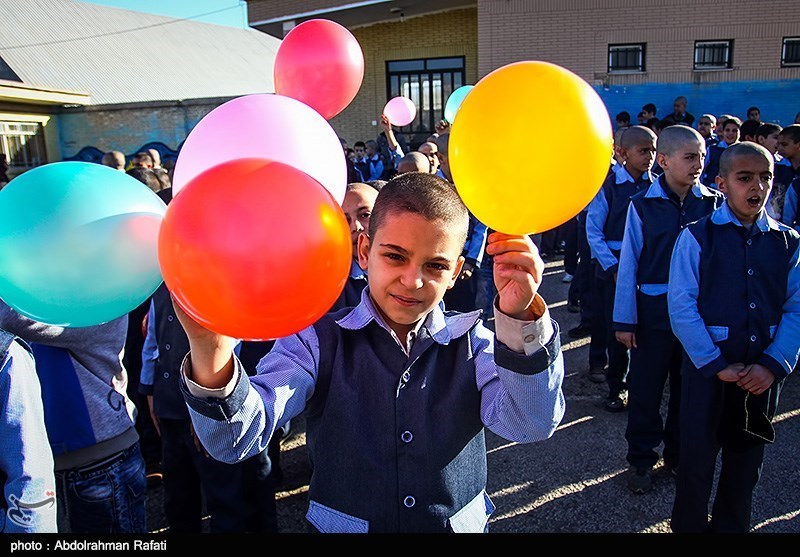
point(187, 471)
point(395, 431)
point(790, 215)
point(655, 218)
point(605, 226)
point(733, 297)
point(351, 294)
point(711, 168)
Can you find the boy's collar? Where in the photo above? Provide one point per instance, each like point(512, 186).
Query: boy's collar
point(659, 189)
point(763, 221)
point(356, 272)
point(622, 175)
point(442, 328)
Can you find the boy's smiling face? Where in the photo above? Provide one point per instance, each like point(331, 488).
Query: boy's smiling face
point(747, 186)
point(410, 263)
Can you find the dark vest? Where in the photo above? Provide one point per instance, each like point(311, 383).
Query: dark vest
point(168, 402)
point(662, 221)
point(617, 197)
point(436, 456)
point(748, 301)
point(351, 295)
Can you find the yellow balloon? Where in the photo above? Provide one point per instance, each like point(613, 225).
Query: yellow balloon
point(531, 148)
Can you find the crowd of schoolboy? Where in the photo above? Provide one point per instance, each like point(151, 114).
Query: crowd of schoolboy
point(624, 276)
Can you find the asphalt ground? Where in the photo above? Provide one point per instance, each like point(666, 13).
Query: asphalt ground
point(574, 482)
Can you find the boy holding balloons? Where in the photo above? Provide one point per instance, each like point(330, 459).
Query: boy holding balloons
point(396, 392)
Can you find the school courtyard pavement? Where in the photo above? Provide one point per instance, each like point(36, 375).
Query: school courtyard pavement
point(574, 482)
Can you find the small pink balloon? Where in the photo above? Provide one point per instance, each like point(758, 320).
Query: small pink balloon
point(264, 126)
point(401, 111)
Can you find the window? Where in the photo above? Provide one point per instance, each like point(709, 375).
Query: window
point(428, 82)
point(23, 144)
point(626, 57)
point(790, 54)
point(713, 55)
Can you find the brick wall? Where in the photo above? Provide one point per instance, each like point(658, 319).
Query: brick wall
point(452, 33)
point(575, 34)
point(127, 127)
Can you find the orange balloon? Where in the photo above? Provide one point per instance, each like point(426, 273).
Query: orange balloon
point(255, 249)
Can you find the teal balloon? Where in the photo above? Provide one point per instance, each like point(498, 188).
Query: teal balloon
point(454, 102)
point(78, 243)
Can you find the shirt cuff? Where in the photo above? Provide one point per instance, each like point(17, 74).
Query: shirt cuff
point(526, 337)
point(203, 392)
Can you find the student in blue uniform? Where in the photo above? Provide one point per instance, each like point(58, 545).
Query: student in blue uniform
point(789, 150)
point(357, 206)
point(27, 481)
point(734, 303)
point(641, 321)
point(731, 134)
point(396, 392)
point(605, 225)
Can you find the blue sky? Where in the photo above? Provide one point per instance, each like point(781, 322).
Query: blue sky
point(229, 12)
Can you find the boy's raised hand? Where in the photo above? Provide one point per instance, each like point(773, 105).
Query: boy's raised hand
point(517, 274)
point(211, 353)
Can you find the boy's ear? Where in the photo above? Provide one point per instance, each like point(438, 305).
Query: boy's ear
point(720, 181)
point(456, 271)
point(362, 249)
point(660, 158)
point(621, 153)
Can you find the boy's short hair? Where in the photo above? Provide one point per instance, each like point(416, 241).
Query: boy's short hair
point(359, 144)
point(767, 129)
point(649, 107)
point(711, 118)
point(377, 184)
point(623, 117)
point(749, 128)
point(733, 120)
point(791, 131)
point(636, 135)
point(371, 143)
point(743, 149)
point(672, 137)
point(423, 194)
point(143, 156)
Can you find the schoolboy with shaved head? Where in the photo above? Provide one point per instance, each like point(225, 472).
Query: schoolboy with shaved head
point(641, 321)
point(734, 304)
point(605, 225)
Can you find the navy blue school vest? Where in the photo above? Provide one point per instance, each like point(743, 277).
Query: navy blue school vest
point(168, 402)
point(662, 221)
point(617, 197)
point(743, 278)
point(419, 454)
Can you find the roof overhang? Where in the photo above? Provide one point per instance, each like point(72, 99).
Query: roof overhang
point(360, 13)
point(12, 91)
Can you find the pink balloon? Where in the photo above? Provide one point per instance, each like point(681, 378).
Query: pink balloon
point(401, 111)
point(320, 63)
point(264, 126)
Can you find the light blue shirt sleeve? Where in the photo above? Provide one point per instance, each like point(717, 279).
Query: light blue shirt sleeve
point(396, 155)
point(625, 297)
point(595, 222)
point(682, 294)
point(785, 346)
point(149, 349)
point(26, 459)
point(789, 215)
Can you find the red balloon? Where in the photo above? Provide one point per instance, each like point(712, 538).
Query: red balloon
point(254, 249)
point(319, 63)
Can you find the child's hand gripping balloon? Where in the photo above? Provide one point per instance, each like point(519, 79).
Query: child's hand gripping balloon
point(518, 270)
